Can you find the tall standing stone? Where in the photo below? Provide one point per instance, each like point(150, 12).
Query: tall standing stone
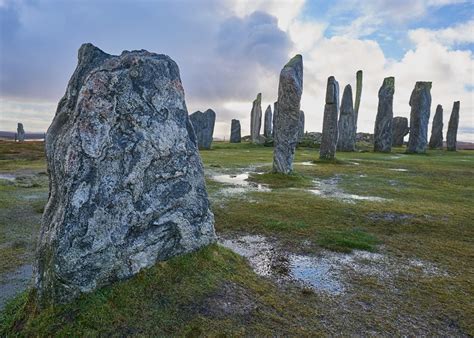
point(126, 181)
point(20, 132)
point(287, 118)
point(420, 103)
point(399, 130)
point(256, 119)
point(267, 125)
point(383, 122)
point(451, 136)
point(301, 126)
point(346, 125)
point(327, 150)
point(357, 99)
point(436, 139)
point(235, 136)
point(203, 125)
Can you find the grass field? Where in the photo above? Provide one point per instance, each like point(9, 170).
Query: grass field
point(408, 219)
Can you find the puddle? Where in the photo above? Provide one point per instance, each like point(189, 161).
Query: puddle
point(355, 163)
point(240, 182)
point(305, 163)
point(328, 272)
point(329, 189)
point(8, 177)
point(14, 282)
point(399, 169)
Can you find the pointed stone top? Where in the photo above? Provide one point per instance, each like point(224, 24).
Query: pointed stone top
point(294, 61)
point(269, 108)
point(359, 73)
point(259, 98)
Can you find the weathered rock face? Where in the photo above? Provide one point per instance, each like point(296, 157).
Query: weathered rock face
point(267, 125)
point(235, 136)
point(126, 181)
point(436, 139)
point(275, 107)
point(451, 136)
point(346, 125)
point(20, 132)
point(256, 119)
point(301, 126)
point(399, 130)
point(383, 122)
point(420, 103)
point(357, 99)
point(203, 125)
point(287, 117)
point(331, 112)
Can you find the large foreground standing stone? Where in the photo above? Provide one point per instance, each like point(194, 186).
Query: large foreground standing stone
point(327, 150)
point(20, 132)
point(301, 126)
point(383, 122)
point(256, 119)
point(203, 125)
point(126, 180)
point(451, 136)
point(420, 103)
point(436, 139)
point(399, 130)
point(267, 125)
point(287, 117)
point(346, 125)
point(235, 136)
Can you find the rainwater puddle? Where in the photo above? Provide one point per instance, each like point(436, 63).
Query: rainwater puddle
point(328, 272)
point(14, 282)
point(8, 177)
point(399, 169)
point(240, 183)
point(329, 189)
point(305, 163)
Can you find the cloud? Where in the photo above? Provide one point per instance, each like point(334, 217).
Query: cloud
point(462, 33)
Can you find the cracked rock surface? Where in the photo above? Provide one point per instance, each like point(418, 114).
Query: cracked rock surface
point(126, 180)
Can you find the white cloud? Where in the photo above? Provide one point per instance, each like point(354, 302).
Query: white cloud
point(455, 35)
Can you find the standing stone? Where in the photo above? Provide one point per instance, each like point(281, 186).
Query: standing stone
point(346, 125)
point(301, 126)
point(436, 139)
point(126, 181)
point(256, 119)
point(203, 125)
point(267, 125)
point(287, 117)
point(383, 122)
point(420, 103)
point(275, 107)
point(235, 136)
point(20, 132)
point(399, 130)
point(327, 151)
point(451, 136)
point(357, 100)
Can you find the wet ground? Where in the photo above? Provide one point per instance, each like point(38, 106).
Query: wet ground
point(14, 282)
point(325, 272)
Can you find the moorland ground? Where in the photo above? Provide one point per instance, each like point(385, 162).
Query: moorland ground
point(407, 219)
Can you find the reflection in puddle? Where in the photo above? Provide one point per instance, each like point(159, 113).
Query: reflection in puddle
point(328, 272)
point(305, 163)
point(241, 183)
point(8, 177)
point(329, 189)
point(399, 169)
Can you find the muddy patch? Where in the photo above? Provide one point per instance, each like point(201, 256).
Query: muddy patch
point(13, 283)
point(329, 189)
point(327, 272)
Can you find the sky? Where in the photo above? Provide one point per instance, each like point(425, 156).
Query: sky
point(230, 50)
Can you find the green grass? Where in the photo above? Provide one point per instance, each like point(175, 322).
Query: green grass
point(433, 199)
